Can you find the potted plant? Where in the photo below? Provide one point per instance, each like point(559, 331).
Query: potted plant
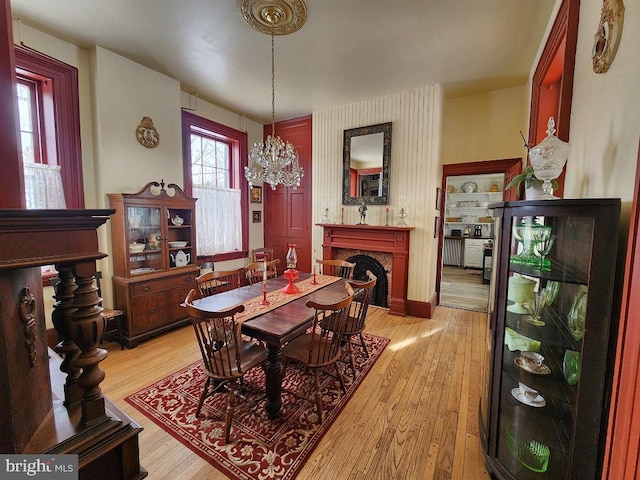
point(530, 180)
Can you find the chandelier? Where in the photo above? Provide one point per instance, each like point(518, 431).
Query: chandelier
point(273, 160)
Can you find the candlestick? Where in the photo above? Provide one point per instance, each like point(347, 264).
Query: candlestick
point(386, 218)
point(264, 294)
point(264, 270)
point(342, 216)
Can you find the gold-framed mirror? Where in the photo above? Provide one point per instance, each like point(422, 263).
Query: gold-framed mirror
point(366, 157)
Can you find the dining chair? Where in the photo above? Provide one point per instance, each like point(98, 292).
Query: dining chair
point(218, 281)
point(357, 317)
point(226, 356)
point(339, 268)
point(254, 271)
point(318, 348)
point(260, 254)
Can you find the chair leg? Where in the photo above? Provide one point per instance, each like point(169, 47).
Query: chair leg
point(352, 359)
point(364, 345)
point(231, 403)
point(316, 384)
point(203, 395)
point(340, 377)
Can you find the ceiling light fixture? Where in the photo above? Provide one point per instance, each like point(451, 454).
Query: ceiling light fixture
point(273, 161)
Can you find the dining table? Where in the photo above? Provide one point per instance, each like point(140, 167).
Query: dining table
point(283, 319)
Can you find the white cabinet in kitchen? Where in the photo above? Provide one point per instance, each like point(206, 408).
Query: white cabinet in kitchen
point(473, 252)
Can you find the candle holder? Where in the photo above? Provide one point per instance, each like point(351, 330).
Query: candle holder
point(264, 294)
point(291, 273)
point(386, 218)
point(342, 216)
point(402, 214)
point(315, 282)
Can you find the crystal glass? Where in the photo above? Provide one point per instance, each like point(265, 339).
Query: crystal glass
point(548, 159)
point(535, 304)
point(542, 248)
point(528, 232)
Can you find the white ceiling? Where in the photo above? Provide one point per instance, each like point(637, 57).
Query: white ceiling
point(347, 51)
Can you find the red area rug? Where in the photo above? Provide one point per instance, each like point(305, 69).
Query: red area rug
point(259, 448)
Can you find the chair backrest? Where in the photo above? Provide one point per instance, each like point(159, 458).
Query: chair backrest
point(324, 347)
point(339, 268)
point(219, 338)
point(358, 312)
point(254, 271)
point(218, 281)
point(260, 254)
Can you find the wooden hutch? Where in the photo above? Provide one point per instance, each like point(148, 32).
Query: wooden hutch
point(154, 258)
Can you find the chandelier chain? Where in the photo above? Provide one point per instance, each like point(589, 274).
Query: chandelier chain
point(273, 85)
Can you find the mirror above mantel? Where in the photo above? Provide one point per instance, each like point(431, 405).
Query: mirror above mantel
point(366, 157)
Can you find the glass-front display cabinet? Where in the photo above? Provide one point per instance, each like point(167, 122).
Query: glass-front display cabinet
point(154, 258)
point(547, 364)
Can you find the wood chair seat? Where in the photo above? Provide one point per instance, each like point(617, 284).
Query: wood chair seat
point(356, 320)
point(225, 362)
point(318, 348)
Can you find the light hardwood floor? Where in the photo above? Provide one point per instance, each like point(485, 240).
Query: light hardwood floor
point(463, 288)
point(414, 417)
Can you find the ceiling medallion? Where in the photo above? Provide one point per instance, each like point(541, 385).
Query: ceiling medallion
point(607, 37)
point(283, 16)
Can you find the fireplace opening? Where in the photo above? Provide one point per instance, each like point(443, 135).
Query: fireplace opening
point(381, 290)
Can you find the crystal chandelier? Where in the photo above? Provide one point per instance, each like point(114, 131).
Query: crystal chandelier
point(273, 160)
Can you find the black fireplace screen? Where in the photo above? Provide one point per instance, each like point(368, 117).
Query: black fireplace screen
point(364, 263)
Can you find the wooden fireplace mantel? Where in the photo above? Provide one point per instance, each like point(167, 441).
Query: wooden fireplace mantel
point(373, 238)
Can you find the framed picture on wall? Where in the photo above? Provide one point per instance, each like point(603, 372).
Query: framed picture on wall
point(438, 198)
point(256, 195)
point(257, 216)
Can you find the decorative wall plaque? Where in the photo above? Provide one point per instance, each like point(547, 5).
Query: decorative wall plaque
point(607, 37)
point(147, 134)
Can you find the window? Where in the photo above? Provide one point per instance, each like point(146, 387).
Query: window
point(214, 161)
point(43, 186)
point(50, 127)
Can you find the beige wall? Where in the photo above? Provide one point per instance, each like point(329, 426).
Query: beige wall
point(605, 113)
point(485, 126)
point(416, 117)
point(115, 93)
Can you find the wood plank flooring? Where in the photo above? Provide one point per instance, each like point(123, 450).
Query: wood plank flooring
point(413, 418)
point(463, 288)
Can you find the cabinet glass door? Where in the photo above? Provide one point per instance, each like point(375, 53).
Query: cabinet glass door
point(144, 239)
point(544, 325)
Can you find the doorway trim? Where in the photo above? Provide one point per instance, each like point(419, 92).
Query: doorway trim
point(510, 167)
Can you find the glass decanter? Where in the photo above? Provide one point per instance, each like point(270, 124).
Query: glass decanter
point(548, 158)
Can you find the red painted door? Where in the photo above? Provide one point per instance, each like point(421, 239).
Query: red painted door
point(287, 212)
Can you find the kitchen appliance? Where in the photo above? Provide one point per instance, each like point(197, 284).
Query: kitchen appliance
point(456, 232)
point(477, 231)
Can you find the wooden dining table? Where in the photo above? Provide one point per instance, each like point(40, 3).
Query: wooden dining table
point(279, 325)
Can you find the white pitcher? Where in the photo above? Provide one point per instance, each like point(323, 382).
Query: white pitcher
point(181, 259)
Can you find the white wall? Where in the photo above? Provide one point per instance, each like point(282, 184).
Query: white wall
point(605, 112)
point(115, 93)
point(415, 169)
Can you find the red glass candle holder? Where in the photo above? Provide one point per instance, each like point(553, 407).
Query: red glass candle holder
point(291, 274)
point(264, 294)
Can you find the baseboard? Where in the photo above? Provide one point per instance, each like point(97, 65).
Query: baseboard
point(419, 309)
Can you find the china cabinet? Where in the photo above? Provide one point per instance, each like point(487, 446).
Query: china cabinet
point(546, 380)
point(154, 258)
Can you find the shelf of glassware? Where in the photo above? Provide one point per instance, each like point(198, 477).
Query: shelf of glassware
point(470, 208)
point(535, 421)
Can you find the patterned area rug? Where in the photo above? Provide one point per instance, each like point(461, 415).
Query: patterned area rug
point(259, 448)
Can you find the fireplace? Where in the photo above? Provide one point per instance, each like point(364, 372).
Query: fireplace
point(380, 294)
point(386, 246)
